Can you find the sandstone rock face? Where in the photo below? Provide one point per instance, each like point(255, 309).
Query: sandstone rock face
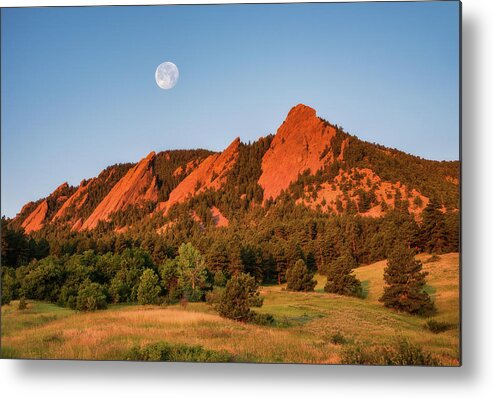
point(138, 185)
point(300, 143)
point(35, 221)
point(189, 167)
point(218, 217)
point(38, 218)
point(77, 225)
point(453, 180)
point(77, 199)
point(210, 174)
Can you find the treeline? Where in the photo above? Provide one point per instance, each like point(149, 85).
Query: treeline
point(91, 281)
point(262, 247)
point(18, 248)
point(268, 240)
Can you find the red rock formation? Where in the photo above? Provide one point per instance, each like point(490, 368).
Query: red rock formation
point(189, 167)
point(138, 185)
point(36, 219)
point(78, 198)
point(78, 224)
point(210, 174)
point(27, 209)
point(297, 146)
point(218, 217)
point(453, 180)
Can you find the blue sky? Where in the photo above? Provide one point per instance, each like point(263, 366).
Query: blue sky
point(78, 90)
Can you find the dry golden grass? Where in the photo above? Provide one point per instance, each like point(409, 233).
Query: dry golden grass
point(304, 330)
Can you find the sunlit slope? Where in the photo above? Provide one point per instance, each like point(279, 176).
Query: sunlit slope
point(305, 324)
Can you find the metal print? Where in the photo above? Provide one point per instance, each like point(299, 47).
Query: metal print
point(269, 183)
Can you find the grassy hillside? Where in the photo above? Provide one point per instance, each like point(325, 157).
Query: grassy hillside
point(308, 328)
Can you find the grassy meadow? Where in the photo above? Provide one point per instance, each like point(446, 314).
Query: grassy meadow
point(309, 327)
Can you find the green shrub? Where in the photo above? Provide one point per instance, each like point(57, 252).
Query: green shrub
point(406, 353)
point(263, 319)
point(437, 326)
point(8, 283)
point(338, 338)
point(213, 296)
point(402, 353)
point(22, 303)
point(164, 351)
point(68, 297)
point(91, 297)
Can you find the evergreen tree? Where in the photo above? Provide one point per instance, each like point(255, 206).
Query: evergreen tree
point(250, 260)
point(405, 282)
point(452, 225)
point(281, 261)
point(299, 278)
point(239, 295)
point(217, 257)
point(149, 289)
point(340, 279)
point(433, 231)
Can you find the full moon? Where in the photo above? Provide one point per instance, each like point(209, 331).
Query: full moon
point(167, 75)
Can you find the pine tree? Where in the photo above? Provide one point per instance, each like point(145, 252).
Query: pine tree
point(340, 279)
point(240, 293)
point(299, 278)
point(452, 225)
point(433, 231)
point(217, 257)
point(405, 282)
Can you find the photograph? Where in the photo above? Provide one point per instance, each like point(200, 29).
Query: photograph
point(240, 183)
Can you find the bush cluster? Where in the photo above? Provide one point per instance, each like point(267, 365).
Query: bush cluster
point(402, 353)
point(164, 351)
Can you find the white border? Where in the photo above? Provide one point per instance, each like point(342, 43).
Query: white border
point(475, 379)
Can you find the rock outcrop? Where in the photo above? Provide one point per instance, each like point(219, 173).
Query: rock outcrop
point(300, 143)
point(339, 174)
point(39, 217)
point(77, 199)
point(210, 174)
point(138, 185)
point(218, 217)
point(36, 220)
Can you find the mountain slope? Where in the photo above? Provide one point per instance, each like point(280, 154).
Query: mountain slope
point(209, 174)
point(138, 185)
point(313, 162)
point(300, 144)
